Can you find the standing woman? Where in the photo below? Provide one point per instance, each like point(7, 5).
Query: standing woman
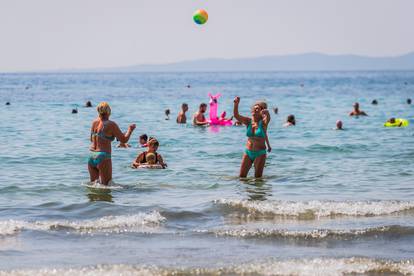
point(255, 152)
point(103, 132)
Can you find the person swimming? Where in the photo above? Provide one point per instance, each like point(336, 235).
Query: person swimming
point(103, 132)
point(7, 103)
point(88, 104)
point(339, 125)
point(408, 101)
point(290, 121)
point(75, 111)
point(145, 157)
point(182, 118)
point(198, 118)
point(257, 139)
point(143, 139)
point(374, 102)
point(275, 110)
point(357, 111)
point(167, 114)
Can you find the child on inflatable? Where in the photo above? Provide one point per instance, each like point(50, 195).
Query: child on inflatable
point(150, 158)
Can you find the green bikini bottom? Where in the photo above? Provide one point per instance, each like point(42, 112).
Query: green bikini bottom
point(96, 158)
point(253, 154)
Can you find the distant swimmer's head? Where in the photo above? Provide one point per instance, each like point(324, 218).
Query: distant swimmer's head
point(356, 106)
point(374, 102)
point(104, 110)
point(153, 144)
point(167, 112)
point(391, 120)
point(203, 108)
point(150, 158)
point(339, 124)
point(291, 119)
point(8, 103)
point(75, 111)
point(275, 110)
point(184, 107)
point(408, 101)
point(88, 104)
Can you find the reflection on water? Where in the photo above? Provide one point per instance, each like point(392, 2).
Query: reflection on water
point(257, 188)
point(99, 195)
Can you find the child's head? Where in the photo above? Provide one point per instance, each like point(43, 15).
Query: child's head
point(392, 120)
point(184, 107)
point(291, 119)
point(143, 139)
point(151, 158)
point(153, 144)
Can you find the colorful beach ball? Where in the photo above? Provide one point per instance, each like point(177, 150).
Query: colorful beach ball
point(200, 17)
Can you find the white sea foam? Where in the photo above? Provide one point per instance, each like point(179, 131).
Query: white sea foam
point(316, 208)
point(318, 266)
point(140, 222)
point(315, 234)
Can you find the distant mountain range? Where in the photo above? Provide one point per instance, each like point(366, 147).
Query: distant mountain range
point(300, 62)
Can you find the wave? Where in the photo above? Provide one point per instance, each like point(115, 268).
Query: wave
point(112, 224)
point(316, 266)
point(316, 234)
point(316, 209)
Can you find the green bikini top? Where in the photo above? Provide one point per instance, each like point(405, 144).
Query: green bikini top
point(260, 132)
point(102, 135)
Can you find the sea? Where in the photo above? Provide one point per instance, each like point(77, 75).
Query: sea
point(330, 203)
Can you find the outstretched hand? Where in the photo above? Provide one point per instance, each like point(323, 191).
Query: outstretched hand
point(236, 100)
point(132, 127)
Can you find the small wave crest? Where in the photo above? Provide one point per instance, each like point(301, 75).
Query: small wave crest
point(316, 234)
point(317, 266)
point(315, 209)
point(113, 224)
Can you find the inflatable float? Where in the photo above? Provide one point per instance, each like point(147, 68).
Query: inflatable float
point(214, 119)
point(398, 122)
point(150, 167)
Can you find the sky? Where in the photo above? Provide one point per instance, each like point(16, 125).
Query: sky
point(76, 34)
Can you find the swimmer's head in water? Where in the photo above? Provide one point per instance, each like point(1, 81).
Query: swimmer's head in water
point(103, 109)
point(150, 158)
point(88, 104)
point(339, 124)
point(291, 119)
point(167, 112)
point(275, 110)
point(409, 101)
point(356, 106)
point(203, 107)
point(392, 120)
point(374, 102)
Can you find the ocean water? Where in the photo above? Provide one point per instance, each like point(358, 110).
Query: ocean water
point(330, 203)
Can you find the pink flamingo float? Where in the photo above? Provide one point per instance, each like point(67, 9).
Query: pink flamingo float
point(214, 119)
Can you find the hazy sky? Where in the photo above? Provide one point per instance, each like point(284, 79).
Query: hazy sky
point(52, 34)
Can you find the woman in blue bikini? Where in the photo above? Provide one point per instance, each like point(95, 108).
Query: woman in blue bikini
point(257, 139)
point(103, 132)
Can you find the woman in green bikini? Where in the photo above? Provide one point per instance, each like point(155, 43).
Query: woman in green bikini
point(103, 132)
point(257, 139)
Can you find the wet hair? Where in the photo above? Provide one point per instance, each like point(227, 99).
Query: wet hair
point(409, 101)
point(143, 137)
point(374, 102)
point(203, 105)
point(167, 112)
point(74, 111)
point(103, 109)
point(356, 104)
point(88, 104)
point(153, 142)
point(275, 110)
point(392, 120)
point(8, 103)
point(262, 104)
point(291, 119)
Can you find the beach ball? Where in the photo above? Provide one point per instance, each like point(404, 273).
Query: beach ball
point(200, 17)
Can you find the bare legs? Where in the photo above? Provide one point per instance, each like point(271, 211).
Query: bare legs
point(103, 172)
point(246, 164)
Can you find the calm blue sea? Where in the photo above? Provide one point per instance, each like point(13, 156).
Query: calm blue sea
point(331, 202)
